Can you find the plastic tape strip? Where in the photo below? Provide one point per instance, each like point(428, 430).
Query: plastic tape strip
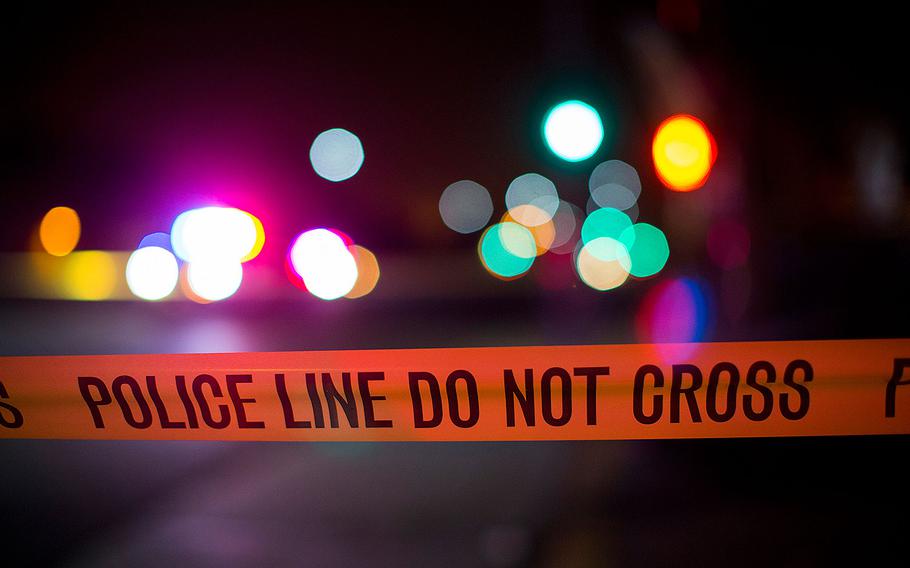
point(707, 390)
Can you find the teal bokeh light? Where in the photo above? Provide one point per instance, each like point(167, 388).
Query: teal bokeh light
point(610, 223)
point(573, 130)
point(648, 250)
point(497, 258)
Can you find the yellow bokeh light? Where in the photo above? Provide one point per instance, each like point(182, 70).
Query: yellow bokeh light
point(684, 152)
point(89, 275)
point(59, 231)
point(260, 238)
point(367, 272)
point(542, 227)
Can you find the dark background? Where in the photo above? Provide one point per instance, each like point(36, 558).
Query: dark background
point(131, 115)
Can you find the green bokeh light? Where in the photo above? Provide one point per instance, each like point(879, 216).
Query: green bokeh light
point(610, 223)
point(497, 258)
point(648, 250)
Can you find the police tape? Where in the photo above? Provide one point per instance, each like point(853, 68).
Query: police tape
point(588, 392)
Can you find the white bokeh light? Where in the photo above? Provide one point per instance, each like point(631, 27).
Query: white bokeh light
point(613, 195)
point(573, 130)
point(214, 280)
point(336, 154)
point(567, 225)
point(532, 189)
point(325, 264)
point(465, 206)
point(212, 234)
point(152, 273)
point(615, 184)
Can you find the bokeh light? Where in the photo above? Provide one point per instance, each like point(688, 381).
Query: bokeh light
point(59, 231)
point(322, 259)
point(159, 239)
point(532, 189)
point(614, 196)
point(514, 238)
point(567, 228)
point(496, 250)
point(615, 184)
point(152, 273)
point(648, 249)
point(573, 130)
point(674, 311)
point(336, 154)
point(260, 238)
point(606, 222)
point(213, 234)
point(603, 263)
point(291, 273)
point(89, 275)
point(465, 206)
point(184, 284)
point(543, 233)
point(80, 275)
point(215, 279)
point(367, 272)
point(684, 152)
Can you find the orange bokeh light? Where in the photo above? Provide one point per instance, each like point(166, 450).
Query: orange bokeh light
point(367, 272)
point(184, 283)
point(59, 231)
point(684, 152)
point(535, 220)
